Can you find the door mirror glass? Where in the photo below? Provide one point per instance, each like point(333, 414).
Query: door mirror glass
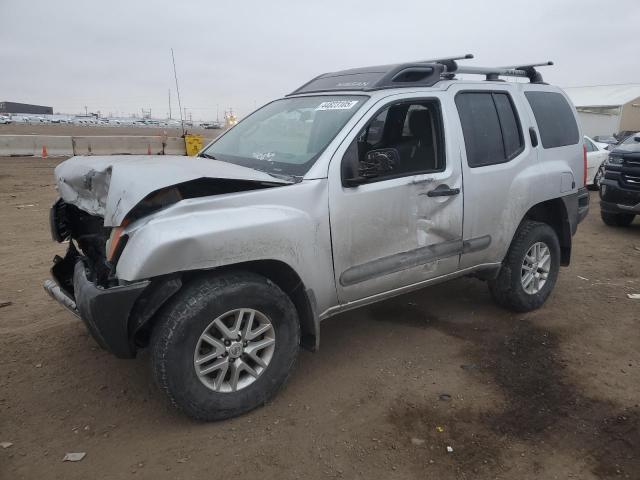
point(376, 163)
point(379, 163)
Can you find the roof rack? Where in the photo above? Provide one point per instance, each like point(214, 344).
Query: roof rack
point(423, 73)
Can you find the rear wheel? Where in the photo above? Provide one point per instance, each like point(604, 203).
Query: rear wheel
point(225, 345)
point(530, 269)
point(617, 219)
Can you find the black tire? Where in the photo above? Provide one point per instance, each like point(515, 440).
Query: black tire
point(190, 312)
point(617, 219)
point(507, 289)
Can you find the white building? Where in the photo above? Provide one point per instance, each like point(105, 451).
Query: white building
point(607, 109)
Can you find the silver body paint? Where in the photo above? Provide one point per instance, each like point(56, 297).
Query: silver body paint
point(349, 245)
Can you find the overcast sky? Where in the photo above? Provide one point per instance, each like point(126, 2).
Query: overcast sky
point(114, 56)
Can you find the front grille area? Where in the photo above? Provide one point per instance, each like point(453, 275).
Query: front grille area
point(632, 162)
point(632, 181)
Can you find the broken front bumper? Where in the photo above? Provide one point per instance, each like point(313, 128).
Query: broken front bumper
point(104, 311)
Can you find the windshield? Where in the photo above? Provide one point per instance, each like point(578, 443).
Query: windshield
point(630, 144)
point(286, 137)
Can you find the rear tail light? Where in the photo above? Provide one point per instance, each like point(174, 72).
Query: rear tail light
point(584, 158)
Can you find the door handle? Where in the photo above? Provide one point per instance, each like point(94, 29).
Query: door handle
point(443, 191)
point(534, 137)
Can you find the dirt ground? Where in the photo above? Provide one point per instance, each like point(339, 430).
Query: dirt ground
point(77, 130)
point(552, 394)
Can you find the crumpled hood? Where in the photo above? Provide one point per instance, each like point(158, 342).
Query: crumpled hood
point(110, 186)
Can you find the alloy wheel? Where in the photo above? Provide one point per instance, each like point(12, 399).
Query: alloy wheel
point(234, 350)
point(535, 268)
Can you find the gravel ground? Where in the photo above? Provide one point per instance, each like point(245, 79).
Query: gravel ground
point(545, 395)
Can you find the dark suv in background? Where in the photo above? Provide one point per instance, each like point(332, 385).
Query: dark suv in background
point(620, 187)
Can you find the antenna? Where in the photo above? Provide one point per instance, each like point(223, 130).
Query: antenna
point(175, 74)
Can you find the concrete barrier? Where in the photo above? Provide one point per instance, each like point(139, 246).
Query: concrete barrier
point(175, 146)
point(103, 145)
point(31, 145)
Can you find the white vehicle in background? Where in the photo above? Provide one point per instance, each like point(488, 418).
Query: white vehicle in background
point(596, 155)
point(4, 120)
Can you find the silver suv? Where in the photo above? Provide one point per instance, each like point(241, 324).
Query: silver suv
point(359, 186)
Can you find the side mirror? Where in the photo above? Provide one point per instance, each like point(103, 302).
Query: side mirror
point(376, 163)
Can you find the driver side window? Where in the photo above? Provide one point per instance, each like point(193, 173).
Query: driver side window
point(402, 139)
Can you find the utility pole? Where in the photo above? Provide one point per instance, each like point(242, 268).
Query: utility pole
point(169, 104)
point(175, 74)
point(86, 112)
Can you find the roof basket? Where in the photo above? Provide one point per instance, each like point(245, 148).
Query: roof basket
point(423, 73)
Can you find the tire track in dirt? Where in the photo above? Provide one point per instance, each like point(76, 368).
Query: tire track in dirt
point(541, 404)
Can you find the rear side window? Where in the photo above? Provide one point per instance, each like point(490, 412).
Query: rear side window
point(555, 119)
point(491, 128)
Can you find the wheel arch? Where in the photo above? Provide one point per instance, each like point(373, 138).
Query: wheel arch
point(161, 289)
point(554, 213)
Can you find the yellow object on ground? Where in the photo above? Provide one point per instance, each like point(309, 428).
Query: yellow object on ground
point(193, 144)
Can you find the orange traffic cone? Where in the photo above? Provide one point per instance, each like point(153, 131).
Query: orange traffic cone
point(148, 149)
point(44, 151)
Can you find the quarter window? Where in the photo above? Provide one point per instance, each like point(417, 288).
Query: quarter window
point(491, 128)
point(555, 119)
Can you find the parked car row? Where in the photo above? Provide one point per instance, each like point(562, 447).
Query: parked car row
point(105, 122)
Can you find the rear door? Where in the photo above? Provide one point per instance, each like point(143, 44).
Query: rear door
point(499, 165)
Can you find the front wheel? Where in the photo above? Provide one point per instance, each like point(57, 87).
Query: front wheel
point(225, 345)
point(530, 269)
point(617, 219)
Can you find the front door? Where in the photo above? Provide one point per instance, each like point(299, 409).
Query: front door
point(403, 226)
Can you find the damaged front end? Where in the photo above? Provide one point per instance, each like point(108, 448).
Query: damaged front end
point(100, 197)
point(84, 280)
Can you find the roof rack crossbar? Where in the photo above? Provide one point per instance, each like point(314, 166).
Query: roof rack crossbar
point(466, 56)
point(492, 73)
point(449, 63)
point(529, 65)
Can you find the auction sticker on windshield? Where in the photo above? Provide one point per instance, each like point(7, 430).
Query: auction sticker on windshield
point(337, 105)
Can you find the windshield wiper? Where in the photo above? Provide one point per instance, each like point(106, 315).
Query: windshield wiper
point(206, 155)
point(280, 176)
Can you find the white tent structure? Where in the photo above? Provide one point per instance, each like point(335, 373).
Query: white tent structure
point(607, 109)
